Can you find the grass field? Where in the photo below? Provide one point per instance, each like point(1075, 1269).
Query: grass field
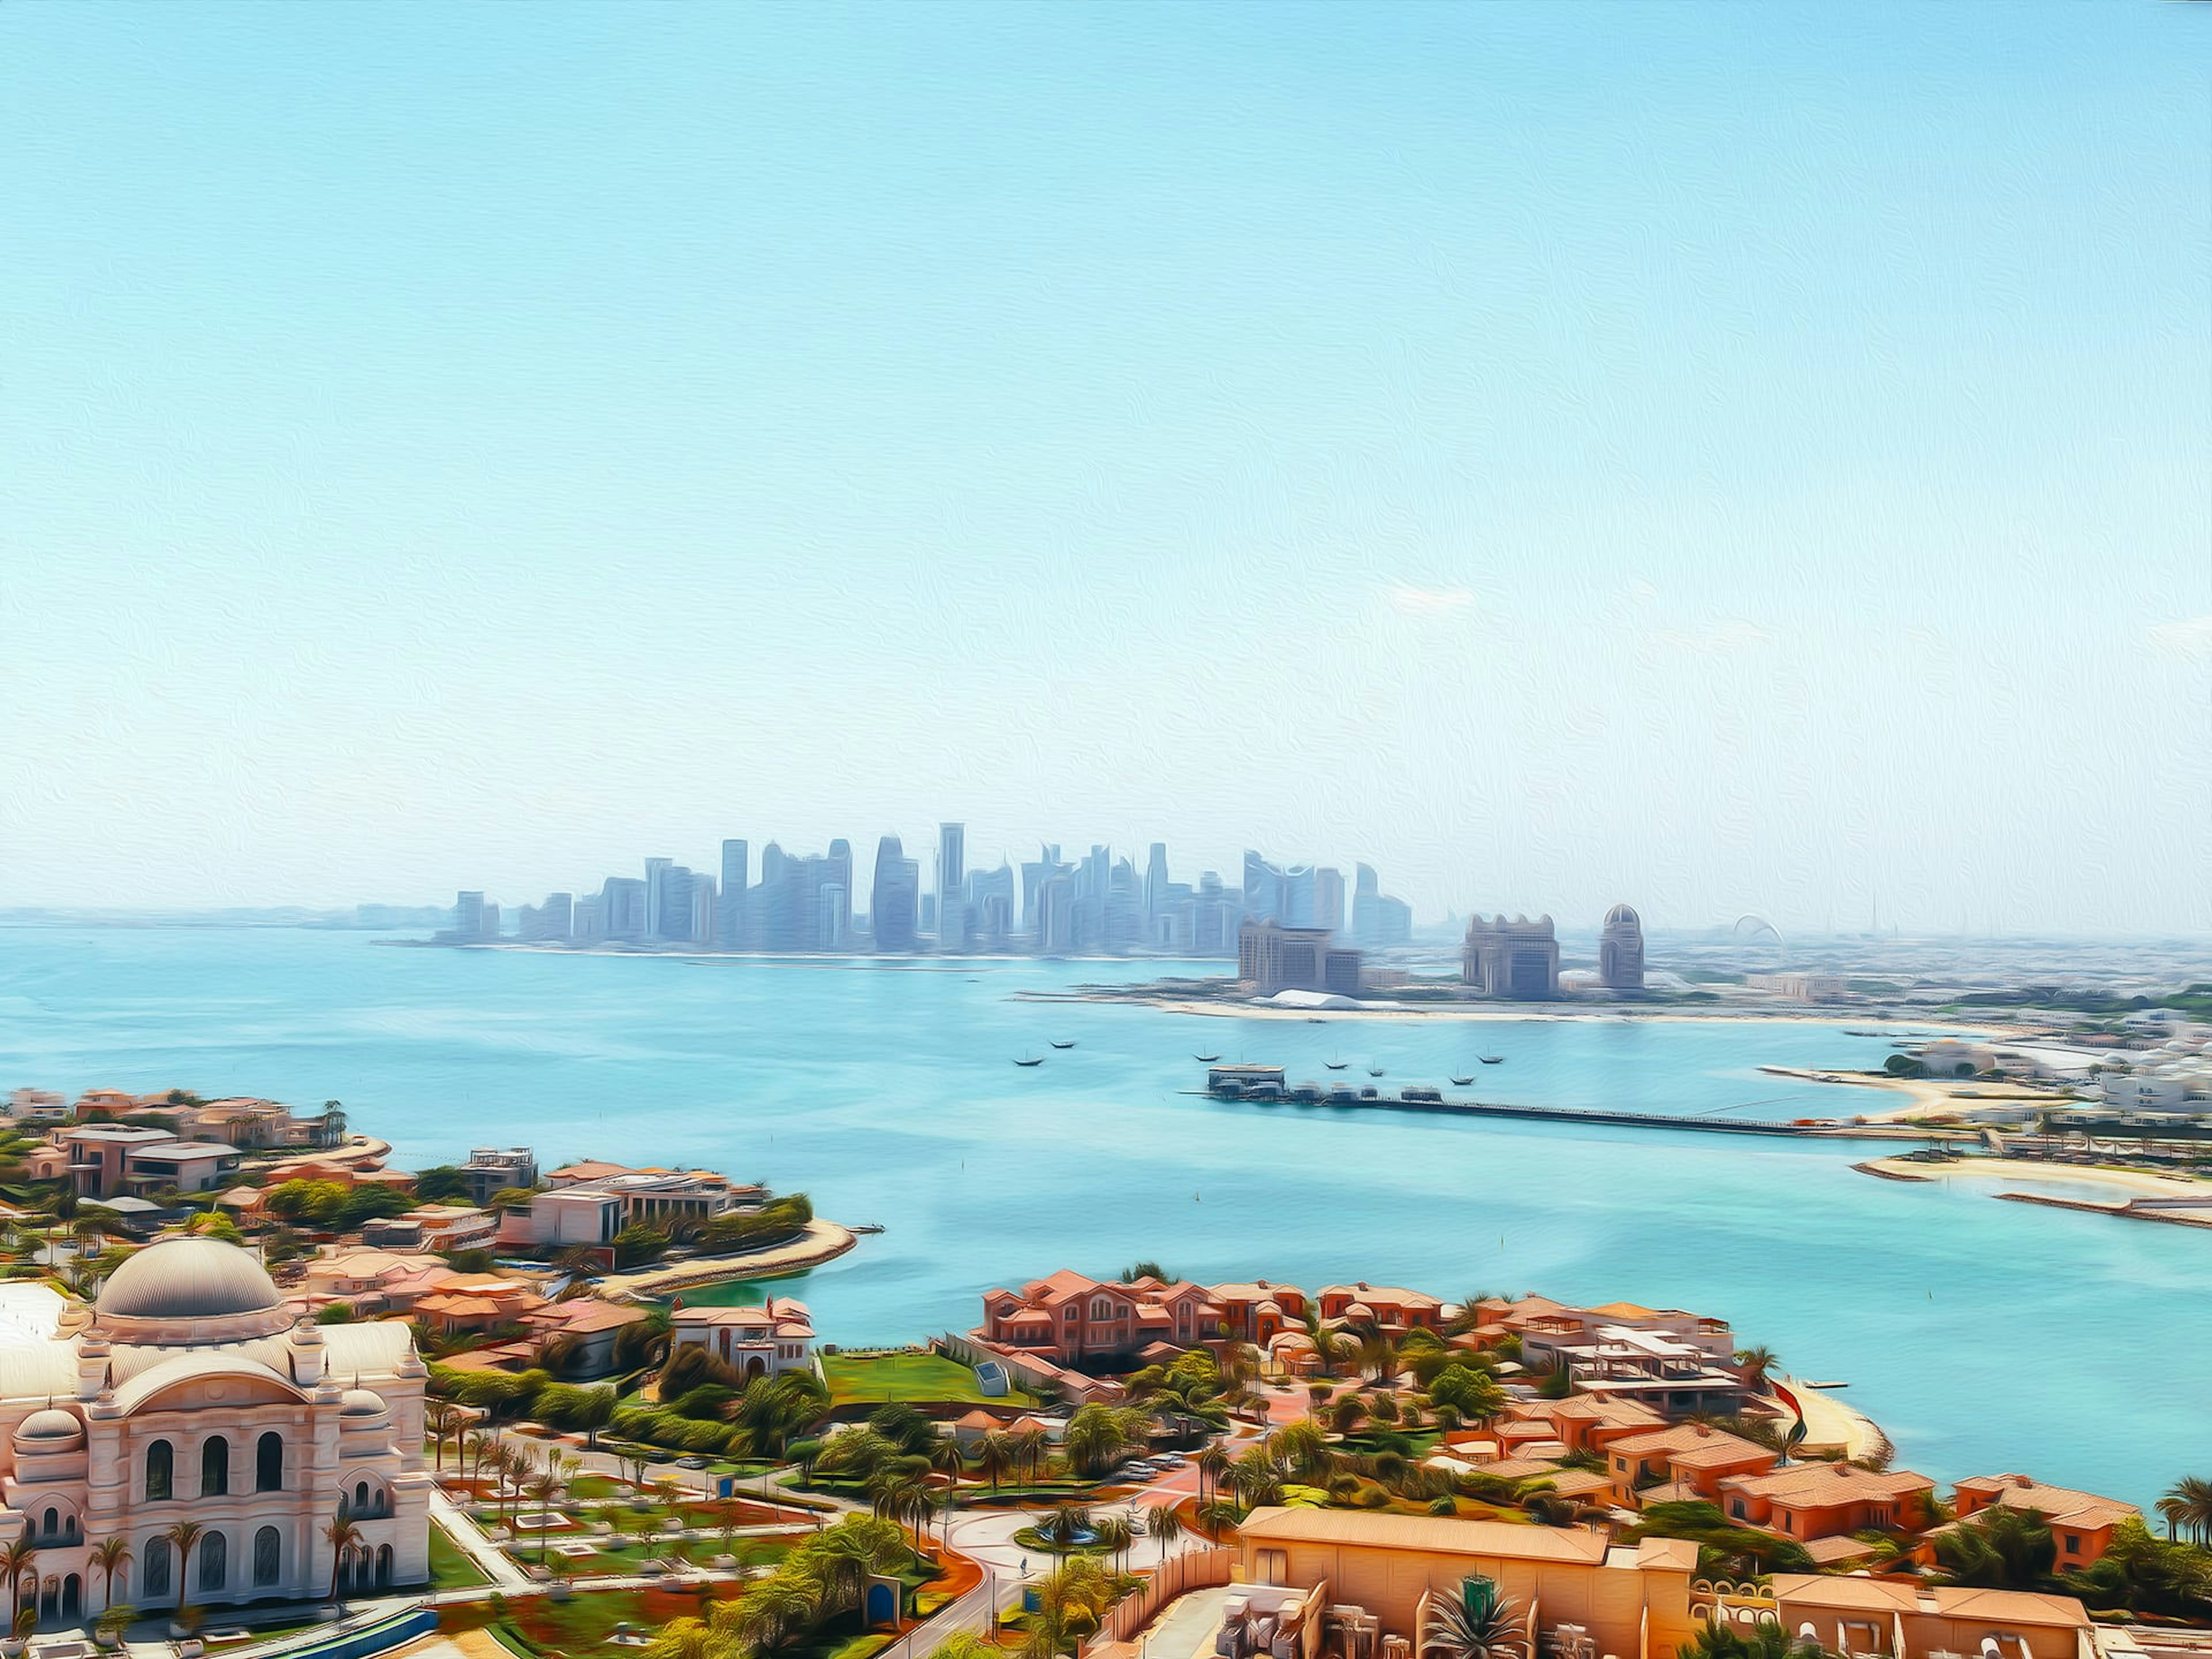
point(450, 1569)
point(917, 1378)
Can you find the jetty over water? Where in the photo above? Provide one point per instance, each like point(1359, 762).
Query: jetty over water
point(1802, 1129)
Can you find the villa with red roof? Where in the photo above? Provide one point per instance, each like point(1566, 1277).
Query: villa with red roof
point(1071, 1317)
point(2080, 1523)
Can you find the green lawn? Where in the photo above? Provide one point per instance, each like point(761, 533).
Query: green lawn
point(450, 1568)
point(917, 1378)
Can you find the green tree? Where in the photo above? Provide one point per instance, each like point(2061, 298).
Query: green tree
point(184, 1535)
point(2000, 1548)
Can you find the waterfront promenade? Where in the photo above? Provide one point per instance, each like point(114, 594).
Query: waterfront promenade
point(821, 1241)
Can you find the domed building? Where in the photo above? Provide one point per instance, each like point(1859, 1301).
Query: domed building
point(191, 1390)
point(1621, 950)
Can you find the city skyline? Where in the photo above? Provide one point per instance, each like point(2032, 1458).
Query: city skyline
point(1054, 903)
point(1754, 466)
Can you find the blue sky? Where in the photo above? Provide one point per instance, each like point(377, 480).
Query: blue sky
point(1726, 457)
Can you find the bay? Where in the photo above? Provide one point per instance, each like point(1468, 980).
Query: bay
point(1984, 1336)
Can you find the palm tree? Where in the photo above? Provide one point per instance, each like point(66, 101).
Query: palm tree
point(444, 1421)
point(1753, 1366)
point(994, 1456)
point(1476, 1623)
point(544, 1489)
point(1765, 1640)
point(2000, 1548)
point(344, 1537)
point(1213, 1463)
point(1115, 1534)
point(777, 1609)
point(1035, 1447)
point(1166, 1524)
point(15, 1560)
point(183, 1535)
point(111, 1556)
point(946, 1458)
point(2188, 1502)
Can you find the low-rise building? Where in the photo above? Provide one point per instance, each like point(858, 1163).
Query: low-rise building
point(437, 1227)
point(1688, 1460)
point(491, 1170)
point(776, 1337)
point(1810, 1501)
point(1071, 1317)
point(1270, 957)
point(2081, 1523)
point(1903, 1620)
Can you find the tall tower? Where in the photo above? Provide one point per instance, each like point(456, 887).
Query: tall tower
point(951, 880)
point(730, 919)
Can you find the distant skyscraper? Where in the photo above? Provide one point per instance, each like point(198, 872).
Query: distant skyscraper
point(1263, 888)
point(1156, 884)
point(730, 921)
point(468, 915)
point(892, 902)
point(1518, 958)
point(840, 878)
point(656, 894)
point(773, 912)
point(1034, 875)
point(547, 923)
point(701, 925)
point(951, 884)
point(1377, 919)
point(1620, 951)
point(991, 907)
point(834, 914)
point(1329, 898)
point(621, 909)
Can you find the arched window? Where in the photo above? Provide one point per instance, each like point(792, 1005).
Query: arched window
point(361, 1498)
point(268, 1464)
point(53, 1522)
point(268, 1556)
point(215, 1565)
point(160, 1461)
point(154, 1566)
point(384, 1567)
point(215, 1467)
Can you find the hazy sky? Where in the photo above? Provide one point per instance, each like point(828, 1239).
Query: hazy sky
point(1725, 457)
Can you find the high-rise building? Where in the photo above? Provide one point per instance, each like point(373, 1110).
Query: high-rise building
point(892, 901)
point(548, 923)
point(773, 909)
point(1056, 913)
point(588, 922)
point(1620, 951)
point(701, 924)
point(622, 909)
point(951, 865)
point(833, 918)
point(1329, 898)
point(730, 921)
point(1518, 958)
point(468, 915)
point(1035, 874)
point(991, 908)
point(1156, 884)
point(840, 878)
point(1297, 891)
point(656, 894)
point(1263, 888)
point(1377, 919)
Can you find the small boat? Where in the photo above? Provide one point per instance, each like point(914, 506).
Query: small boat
point(1336, 1064)
point(1039, 1060)
point(1063, 1045)
point(1462, 1082)
point(1491, 1059)
point(1316, 1019)
point(1205, 1060)
point(1374, 1071)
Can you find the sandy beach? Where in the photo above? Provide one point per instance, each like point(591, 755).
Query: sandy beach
point(2126, 1183)
point(1925, 1095)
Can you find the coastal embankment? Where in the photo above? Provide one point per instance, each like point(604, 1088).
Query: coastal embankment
point(821, 1241)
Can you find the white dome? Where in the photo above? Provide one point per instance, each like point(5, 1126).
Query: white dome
point(51, 1428)
point(188, 1279)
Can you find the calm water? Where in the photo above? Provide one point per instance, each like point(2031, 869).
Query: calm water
point(1982, 1336)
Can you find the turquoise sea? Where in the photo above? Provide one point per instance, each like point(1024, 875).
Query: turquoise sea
point(1984, 1336)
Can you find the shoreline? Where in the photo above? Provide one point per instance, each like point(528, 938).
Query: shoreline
point(1928, 1094)
point(2135, 1183)
point(1516, 1014)
point(822, 1241)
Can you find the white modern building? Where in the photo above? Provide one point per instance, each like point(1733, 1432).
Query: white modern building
point(192, 1390)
